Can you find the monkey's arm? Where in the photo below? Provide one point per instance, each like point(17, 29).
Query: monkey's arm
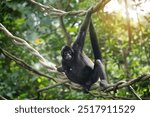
point(79, 43)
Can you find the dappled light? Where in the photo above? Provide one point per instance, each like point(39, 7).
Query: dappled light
point(136, 8)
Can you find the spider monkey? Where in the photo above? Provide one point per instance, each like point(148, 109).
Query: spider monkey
point(76, 65)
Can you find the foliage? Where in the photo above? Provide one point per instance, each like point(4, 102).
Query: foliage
point(43, 32)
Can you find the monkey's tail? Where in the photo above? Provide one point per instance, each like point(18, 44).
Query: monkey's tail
point(94, 42)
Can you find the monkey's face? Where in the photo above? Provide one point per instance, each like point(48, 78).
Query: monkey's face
point(67, 53)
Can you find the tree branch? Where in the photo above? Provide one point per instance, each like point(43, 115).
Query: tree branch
point(24, 65)
point(122, 84)
point(100, 5)
point(62, 25)
point(53, 11)
point(2, 98)
point(133, 91)
point(52, 86)
point(67, 35)
point(22, 42)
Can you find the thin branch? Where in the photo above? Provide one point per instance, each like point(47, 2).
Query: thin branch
point(52, 86)
point(100, 5)
point(62, 25)
point(24, 65)
point(22, 42)
point(126, 83)
point(53, 11)
point(2, 98)
point(128, 27)
point(133, 91)
point(67, 35)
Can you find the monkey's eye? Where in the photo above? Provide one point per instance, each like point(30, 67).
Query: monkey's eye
point(65, 53)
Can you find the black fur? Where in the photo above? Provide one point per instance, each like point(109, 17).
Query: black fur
point(76, 65)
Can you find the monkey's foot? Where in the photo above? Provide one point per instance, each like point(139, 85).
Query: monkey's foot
point(104, 84)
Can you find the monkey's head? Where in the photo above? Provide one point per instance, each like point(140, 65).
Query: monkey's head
point(67, 53)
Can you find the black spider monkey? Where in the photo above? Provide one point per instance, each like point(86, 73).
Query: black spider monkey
point(76, 65)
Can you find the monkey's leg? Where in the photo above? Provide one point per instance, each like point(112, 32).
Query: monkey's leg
point(101, 73)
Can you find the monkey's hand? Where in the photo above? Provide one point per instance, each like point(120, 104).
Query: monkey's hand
point(60, 69)
point(90, 10)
